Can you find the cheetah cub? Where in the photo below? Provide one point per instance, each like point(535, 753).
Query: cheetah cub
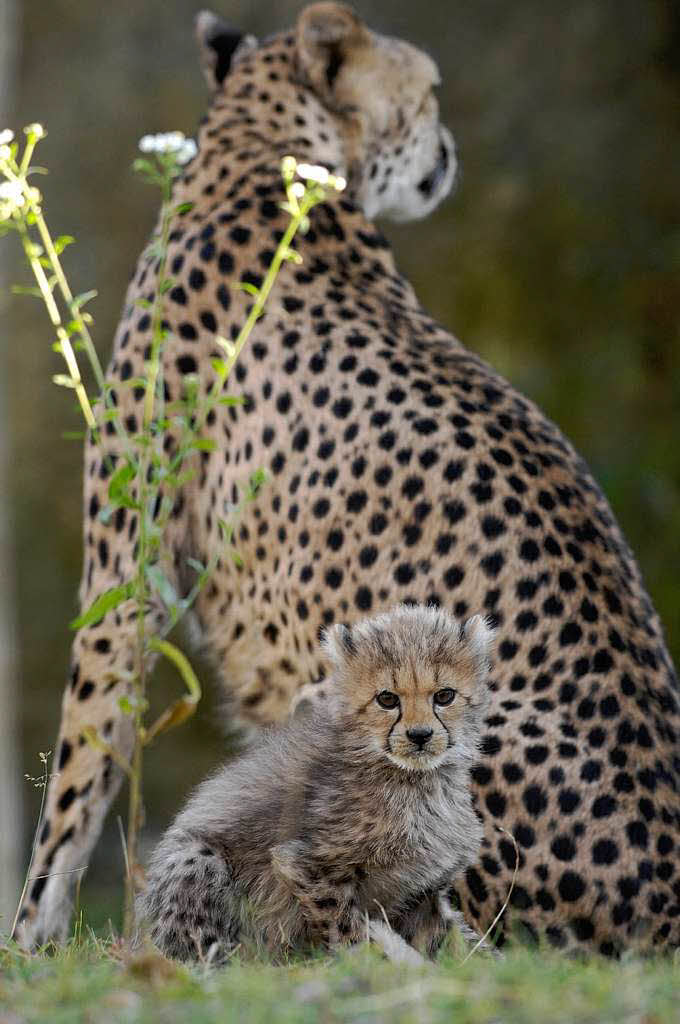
point(349, 821)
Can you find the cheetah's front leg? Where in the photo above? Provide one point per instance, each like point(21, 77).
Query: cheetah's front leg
point(85, 779)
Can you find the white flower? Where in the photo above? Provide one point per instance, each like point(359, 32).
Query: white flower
point(11, 192)
point(177, 143)
point(187, 151)
point(313, 172)
point(6, 135)
point(11, 198)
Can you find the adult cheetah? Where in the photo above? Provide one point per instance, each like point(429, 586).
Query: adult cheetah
point(403, 469)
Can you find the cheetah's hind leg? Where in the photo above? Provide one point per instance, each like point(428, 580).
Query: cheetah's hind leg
point(189, 905)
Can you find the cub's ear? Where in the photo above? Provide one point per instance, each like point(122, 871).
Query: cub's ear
point(480, 636)
point(219, 46)
point(327, 34)
point(338, 643)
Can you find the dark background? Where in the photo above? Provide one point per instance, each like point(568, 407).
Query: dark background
point(558, 260)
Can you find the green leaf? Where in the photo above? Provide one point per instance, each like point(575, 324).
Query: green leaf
point(255, 484)
point(18, 289)
point(292, 256)
point(106, 602)
point(231, 400)
point(226, 529)
point(163, 587)
point(146, 168)
point(143, 303)
point(193, 563)
point(246, 286)
point(182, 664)
point(62, 241)
point(203, 444)
point(184, 208)
point(166, 285)
point(64, 381)
point(220, 367)
point(119, 483)
point(83, 298)
point(125, 705)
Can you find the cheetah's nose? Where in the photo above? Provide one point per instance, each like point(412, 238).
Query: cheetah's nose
point(419, 736)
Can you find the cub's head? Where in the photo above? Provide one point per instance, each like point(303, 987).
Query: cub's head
point(412, 685)
point(368, 98)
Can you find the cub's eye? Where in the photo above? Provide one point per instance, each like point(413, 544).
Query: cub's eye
point(445, 696)
point(387, 700)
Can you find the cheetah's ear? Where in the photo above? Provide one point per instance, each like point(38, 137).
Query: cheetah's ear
point(338, 643)
point(480, 636)
point(220, 46)
point(326, 34)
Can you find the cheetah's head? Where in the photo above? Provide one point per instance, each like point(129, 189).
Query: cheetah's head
point(412, 684)
point(399, 159)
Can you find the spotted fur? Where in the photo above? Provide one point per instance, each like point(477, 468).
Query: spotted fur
point(402, 469)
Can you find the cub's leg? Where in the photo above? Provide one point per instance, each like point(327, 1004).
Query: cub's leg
point(328, 904)
point(190, 905)
point(427, 923)
point(330, 908)
point(392, 944)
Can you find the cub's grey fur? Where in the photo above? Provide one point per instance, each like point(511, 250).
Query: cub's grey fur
point(346, 818)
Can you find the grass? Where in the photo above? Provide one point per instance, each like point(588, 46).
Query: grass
point(92, 981)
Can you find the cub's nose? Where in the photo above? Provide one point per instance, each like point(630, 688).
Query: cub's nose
point(420, 735)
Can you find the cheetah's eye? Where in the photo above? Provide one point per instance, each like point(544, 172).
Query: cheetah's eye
point(387, 700)
point(445, 696)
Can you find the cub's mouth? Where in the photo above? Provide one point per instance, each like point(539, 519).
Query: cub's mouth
point(418, 761)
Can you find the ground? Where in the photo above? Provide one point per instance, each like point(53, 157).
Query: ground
point(87, 982)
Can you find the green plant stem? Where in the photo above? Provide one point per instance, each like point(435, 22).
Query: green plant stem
point(53, 313)
point(280, 255)
point(153, 381)
point(68, 298)
point(146, 499)
point(34, 846)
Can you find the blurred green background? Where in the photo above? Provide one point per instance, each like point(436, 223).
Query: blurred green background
point(558, 260)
